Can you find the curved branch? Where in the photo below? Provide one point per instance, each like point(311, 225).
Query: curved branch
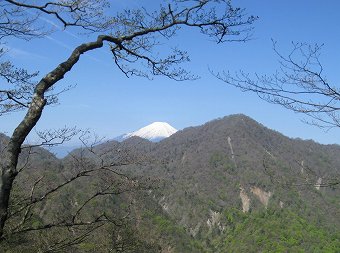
point(298, 85)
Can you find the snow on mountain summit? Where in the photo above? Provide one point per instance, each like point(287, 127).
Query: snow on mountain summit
point(153, 132)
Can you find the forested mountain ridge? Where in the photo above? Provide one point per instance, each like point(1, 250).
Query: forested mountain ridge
point(226, 158)
point(230, 185)
point(235, 163)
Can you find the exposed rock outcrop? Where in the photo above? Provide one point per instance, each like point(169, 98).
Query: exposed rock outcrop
point(245, 200)
point(262, 195)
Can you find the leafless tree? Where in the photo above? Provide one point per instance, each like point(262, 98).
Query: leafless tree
point(60, 210)
point(132, 35)
point(299, 85)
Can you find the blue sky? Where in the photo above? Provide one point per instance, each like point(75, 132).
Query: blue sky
point(109, 104)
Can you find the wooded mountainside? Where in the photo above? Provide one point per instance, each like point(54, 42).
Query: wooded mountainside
point(230, 185)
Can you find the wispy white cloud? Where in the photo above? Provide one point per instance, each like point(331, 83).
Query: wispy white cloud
point(59, 42)
point(72, 35)
point(59, 27)
point(50, 22)
point(14, 52)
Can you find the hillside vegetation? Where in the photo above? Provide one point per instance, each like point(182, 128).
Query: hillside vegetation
point(231, 185)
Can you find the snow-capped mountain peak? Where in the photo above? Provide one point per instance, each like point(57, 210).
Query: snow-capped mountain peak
point(153, 132)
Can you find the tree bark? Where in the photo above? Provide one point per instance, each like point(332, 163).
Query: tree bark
point(11, 154)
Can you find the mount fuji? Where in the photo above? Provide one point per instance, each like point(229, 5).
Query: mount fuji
point(154, 132)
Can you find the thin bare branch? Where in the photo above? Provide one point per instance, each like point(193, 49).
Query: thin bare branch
point(298, 85)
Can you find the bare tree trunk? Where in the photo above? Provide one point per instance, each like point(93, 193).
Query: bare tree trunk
point(12, 152)
point(8, 173)
point(8, 170)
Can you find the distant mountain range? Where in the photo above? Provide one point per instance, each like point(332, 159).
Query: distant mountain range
point(230, 185)
point(154, 132)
